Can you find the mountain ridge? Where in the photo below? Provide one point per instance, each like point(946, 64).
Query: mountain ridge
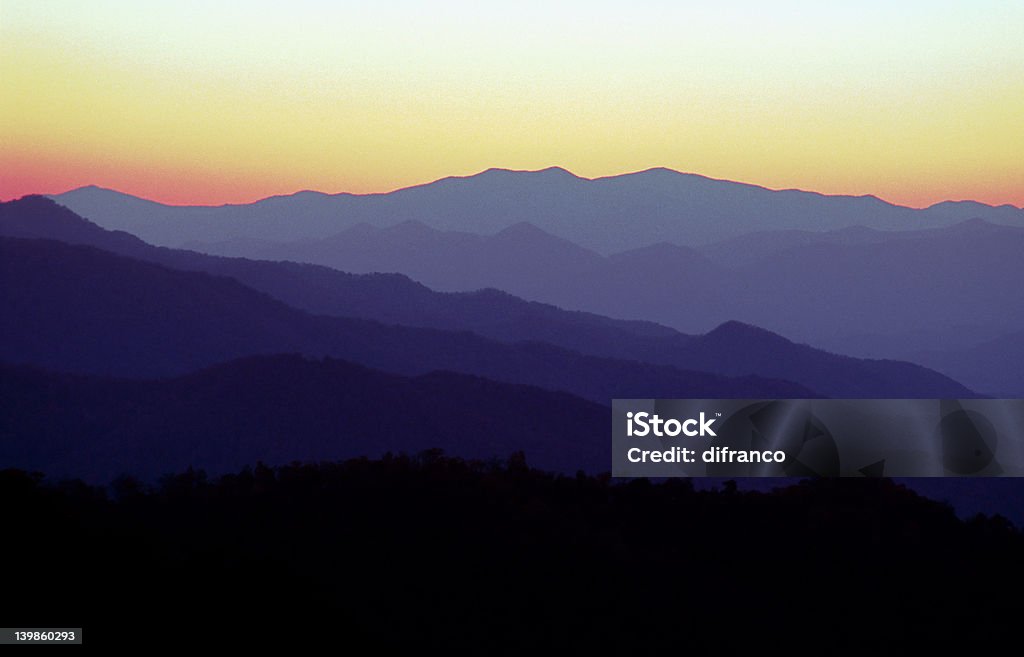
point(492, 170)
point(84, 310)
point(603, 214)
point(809, 286)
point(500, 316)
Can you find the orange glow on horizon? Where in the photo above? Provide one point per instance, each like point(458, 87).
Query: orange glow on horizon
point(183, 187)
point(209, 103)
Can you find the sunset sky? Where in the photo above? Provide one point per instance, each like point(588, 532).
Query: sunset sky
point(213, 102)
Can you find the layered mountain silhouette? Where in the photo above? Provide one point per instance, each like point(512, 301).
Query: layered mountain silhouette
point(605, 214)
point(521, 259)
point(731, 350)
point(753, 247)
point(81, 309)
point(856, 290)
point(279, 409)
point(388, 298)
point(737, 349)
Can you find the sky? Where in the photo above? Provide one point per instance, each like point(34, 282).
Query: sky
point(212, 102)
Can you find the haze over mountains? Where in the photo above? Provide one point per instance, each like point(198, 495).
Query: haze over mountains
point(528, 296)
point(80, 309)
point(961, 274)
point(732, 350)
point(855, 290)
point(605, 214)
point(854, 275)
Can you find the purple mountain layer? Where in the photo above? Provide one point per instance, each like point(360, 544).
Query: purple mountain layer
point(855, 290)
point(731, 350)
point(81, 309)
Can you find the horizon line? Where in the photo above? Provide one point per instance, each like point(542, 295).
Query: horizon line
point(553, 168)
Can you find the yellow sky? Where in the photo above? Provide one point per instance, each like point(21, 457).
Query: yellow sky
point(211, 102)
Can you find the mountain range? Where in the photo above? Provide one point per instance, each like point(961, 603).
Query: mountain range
point(83, 310)
point(731, 350)
point(868, 282)
point(855, 290)
point(604, 214)
point(117, 355)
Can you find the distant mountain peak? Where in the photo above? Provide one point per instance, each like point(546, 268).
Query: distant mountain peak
point(304, 193)
point(978, 226)
point(95, 189)
point(33, 200)
point(549, 172)
point(666, 172)
point(960, 204)
point(735, 330)
point(558, 171)
point(35, 215)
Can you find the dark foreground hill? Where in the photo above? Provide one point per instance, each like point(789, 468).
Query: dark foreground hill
point(278, 409)
point(414, 554)
point(731, 350)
